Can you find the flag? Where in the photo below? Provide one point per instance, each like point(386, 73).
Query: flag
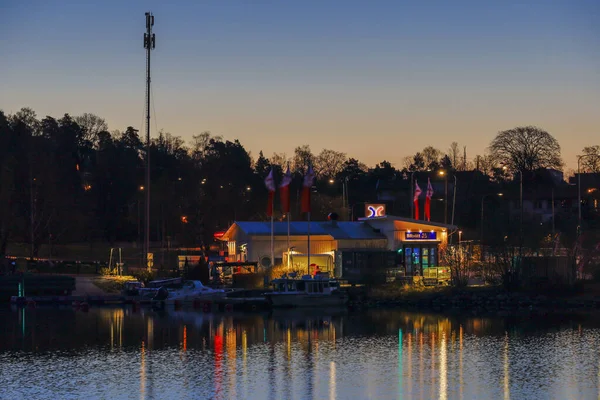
point(416, 199)
point(306, 187)
point(284, 191)
point(270, 184)
point(429, 194)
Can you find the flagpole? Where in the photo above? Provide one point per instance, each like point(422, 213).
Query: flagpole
point(308, 231)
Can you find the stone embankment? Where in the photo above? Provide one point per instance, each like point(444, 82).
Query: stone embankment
point(490, 303)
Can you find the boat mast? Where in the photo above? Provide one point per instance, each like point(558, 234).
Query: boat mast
point(149, 44)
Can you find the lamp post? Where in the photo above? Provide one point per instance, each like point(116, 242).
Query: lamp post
point(445, 175)
point(345, 195)
point(454, 199)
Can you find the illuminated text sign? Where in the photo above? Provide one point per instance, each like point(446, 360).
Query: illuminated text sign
point(420, 236)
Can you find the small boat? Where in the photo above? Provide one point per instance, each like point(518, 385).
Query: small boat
point(137, 288)
point(308, 291)
point(190, 291)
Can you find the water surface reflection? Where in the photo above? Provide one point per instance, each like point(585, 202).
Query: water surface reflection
point(119, 353)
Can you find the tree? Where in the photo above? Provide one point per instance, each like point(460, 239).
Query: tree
point(431, 158)
point(526, 149)
point(418, 163)
point(92, 125)
point(352, 168)
point(590, 162)
point(262, 165)
point(303, 157)
point(329, 163)
point(486, 164)
point(28, 117)
point(446, 163)
point(199, 144)
point(454, 154)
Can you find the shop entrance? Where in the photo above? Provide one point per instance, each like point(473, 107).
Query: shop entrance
point(419, 256)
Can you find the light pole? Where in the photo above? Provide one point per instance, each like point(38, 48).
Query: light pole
point(445, 175)
point(345, 196)
point(454, 199)
point(579, 188)
point(149, 45)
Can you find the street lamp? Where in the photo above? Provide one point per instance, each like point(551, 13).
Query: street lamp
point(520, 172)
point(445, 175)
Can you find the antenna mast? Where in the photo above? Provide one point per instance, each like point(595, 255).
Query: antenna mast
point(149, 45)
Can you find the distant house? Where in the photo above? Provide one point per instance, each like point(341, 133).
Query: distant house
point(547, 188)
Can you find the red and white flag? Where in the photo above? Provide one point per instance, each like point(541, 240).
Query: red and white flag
point(284, 191)
point(270, 184)
point(416, 199)
point(309, 179)
point(428, 195)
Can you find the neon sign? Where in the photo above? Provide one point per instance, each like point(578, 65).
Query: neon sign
point(420, 236)
point(374, 210)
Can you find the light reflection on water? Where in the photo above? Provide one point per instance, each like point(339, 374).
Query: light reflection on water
point(118, 353)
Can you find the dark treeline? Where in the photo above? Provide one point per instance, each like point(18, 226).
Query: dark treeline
point(70, 180)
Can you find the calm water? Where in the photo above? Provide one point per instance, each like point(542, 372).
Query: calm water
point(114, 353)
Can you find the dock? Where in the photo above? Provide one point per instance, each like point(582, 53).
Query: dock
point(206, 305)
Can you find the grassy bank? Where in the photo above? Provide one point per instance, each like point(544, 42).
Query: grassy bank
point(111, 284)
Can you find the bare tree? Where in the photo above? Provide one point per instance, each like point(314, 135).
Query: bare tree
point(454, 154)
point(526, 148)
point(431, 157)
point(92, 125)
point(303, 157)
point(329, 163)
point(280, 159)
point(407, 162)
point(199, 143)
point(591, 161)
point(460, 261)
point(486, 164)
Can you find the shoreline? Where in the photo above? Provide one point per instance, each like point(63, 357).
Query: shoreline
point(482, 302)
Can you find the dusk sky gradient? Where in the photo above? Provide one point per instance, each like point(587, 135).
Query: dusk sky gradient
point(377, 80)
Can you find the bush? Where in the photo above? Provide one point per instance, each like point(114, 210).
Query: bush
point(144, 276)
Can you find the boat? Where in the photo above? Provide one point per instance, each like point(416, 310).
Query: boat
point(190, 291)
point(308, 291)
point(143, 292)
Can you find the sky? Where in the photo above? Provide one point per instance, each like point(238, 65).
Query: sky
point(377, 80)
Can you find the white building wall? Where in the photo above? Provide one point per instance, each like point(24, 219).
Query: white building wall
point(362, 244)
point(260, 246)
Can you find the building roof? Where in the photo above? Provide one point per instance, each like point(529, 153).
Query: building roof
point(337, 230)
point(412, 223)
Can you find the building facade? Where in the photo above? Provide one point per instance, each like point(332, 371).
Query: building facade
point(411, 246)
